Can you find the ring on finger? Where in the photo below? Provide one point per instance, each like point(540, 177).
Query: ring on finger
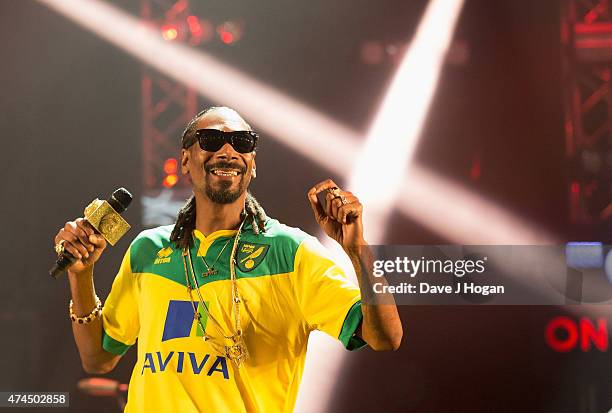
point(59, 247)
point(343, 199)
point(335, 191)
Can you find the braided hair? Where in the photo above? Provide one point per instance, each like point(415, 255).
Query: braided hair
point(186, 218)
point(185, 221)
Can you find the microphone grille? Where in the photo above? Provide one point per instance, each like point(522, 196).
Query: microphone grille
point(120, 200)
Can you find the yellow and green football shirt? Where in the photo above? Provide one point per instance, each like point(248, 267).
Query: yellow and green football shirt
point(289, 287)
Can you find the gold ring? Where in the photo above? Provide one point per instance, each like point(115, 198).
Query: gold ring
point(335, 191)
point(59, 247)
point(343, 200)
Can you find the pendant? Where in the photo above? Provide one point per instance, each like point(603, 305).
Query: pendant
point(210, 271)
point(237, 352)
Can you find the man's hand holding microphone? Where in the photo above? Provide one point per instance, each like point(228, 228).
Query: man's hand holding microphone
point(79, 238)
point(79, 244)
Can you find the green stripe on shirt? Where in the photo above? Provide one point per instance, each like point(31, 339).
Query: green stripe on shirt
point(351, 323)
point(113, 346)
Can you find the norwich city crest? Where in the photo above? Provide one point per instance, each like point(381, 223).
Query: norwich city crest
point(250, 255)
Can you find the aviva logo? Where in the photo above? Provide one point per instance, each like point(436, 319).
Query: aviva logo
point(180, 321)
point(163, 256)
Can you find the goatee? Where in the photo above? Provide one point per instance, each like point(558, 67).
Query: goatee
point(224, 195)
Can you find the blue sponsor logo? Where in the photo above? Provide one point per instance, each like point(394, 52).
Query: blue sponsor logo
point(180, 319)
point(158, 362)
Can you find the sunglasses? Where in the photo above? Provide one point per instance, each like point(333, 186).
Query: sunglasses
point(211, 140)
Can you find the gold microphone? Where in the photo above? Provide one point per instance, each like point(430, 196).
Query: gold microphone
point(105, 217)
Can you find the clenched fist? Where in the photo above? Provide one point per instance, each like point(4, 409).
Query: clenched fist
point(341, 215)
point(83, 243)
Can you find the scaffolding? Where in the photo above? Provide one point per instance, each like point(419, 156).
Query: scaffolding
point(586, 36)
point(167, 106)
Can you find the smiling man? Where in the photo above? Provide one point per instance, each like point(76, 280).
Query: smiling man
point(223, 301)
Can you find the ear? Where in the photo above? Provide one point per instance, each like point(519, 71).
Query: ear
point(254, 168)
point(184, 161)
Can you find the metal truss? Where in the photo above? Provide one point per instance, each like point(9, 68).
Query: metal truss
point(166, 105)
point(586, 35)
point(166, 108)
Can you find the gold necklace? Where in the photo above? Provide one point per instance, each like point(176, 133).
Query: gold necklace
point(236, 350)
point(211, 270)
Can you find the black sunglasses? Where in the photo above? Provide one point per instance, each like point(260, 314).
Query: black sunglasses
point(211, 140)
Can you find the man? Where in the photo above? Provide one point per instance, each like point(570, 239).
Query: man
point(223, 301)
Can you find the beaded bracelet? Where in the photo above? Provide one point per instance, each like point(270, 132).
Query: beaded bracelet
point(95, 313)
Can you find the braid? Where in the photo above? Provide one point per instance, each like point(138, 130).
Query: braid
point(185, 224)
point(256, 214)
point(185, 221)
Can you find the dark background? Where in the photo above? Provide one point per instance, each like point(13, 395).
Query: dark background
point(70, 131)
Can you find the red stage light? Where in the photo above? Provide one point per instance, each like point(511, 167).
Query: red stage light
point(99, 386)
point(575, 187)
point(194, 25)
point(170, 181)
point(475, 170)
point(226, 37)
point(230, 31)
point(170, 166)
point(169, 32)
point(202, 30)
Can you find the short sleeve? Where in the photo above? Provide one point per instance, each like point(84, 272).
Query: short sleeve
point(120, 313)
point(328, 300)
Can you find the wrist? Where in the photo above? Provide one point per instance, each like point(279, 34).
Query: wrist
point(80, 275)
point(356, 248)
point(80, 281)
point(83, 292)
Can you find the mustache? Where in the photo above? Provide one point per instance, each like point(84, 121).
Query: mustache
point(221, 164)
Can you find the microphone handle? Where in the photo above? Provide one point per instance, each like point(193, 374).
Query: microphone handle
point(63, 262)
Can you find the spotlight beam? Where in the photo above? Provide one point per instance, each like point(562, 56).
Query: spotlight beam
point(272, 111)
point(282, 116)
point(393, 136)
point(462, 216)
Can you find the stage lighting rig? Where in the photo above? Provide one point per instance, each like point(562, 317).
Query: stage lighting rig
point(586, 36)
point(167, 105)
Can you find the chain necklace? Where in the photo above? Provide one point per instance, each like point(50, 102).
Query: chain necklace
point(211, 270)
point(236, 350)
